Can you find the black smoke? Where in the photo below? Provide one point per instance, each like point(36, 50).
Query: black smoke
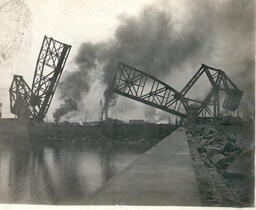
point(211, 32)
point(68, 105)
point(76, 84)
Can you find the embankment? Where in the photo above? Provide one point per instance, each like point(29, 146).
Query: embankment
point(126, 136)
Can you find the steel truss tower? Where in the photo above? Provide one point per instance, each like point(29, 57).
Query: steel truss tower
point(50, 64)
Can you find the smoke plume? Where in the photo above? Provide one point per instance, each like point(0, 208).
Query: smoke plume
point(69, 105)
point(155, 116)
point(218, 33)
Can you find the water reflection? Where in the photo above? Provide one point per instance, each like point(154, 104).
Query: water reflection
point(59, 174)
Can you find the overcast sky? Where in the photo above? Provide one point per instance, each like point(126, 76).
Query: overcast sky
point(82, 21)
point(72, 22)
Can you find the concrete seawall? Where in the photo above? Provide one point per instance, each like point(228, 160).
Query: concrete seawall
point(164, 175)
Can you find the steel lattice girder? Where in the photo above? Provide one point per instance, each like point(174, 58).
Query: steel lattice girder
point(220, 82)
point(49, 67)
point(137, 85)
point(140, 86)
point(217, 78)
point(20, 94)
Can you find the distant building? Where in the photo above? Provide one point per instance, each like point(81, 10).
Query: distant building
point(136, 122)
point(70, 123)
point(74, 123)
point(91, 123)
point(114, 121)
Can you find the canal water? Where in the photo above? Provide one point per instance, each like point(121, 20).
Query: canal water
point(57, 174)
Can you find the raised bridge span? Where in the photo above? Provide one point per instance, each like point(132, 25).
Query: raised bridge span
point(164, 175)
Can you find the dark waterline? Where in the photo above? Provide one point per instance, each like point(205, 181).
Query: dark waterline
point(57, 174)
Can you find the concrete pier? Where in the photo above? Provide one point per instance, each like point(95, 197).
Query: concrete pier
point(164, 175)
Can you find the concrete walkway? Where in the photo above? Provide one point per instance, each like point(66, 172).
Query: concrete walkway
point(163, 175)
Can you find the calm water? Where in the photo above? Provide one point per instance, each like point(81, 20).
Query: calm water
point(60, 174)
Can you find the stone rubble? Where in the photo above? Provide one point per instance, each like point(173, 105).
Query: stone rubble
point(228, 149)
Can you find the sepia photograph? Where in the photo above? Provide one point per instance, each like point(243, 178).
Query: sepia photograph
point(127, 103)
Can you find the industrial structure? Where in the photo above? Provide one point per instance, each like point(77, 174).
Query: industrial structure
point(34, 102)
point(140, 86)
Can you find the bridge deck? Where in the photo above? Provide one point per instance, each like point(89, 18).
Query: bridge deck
point(163, 175)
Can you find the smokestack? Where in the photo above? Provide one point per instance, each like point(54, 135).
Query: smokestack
point(110, 101)
point(101, 111)
point(106, 112)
